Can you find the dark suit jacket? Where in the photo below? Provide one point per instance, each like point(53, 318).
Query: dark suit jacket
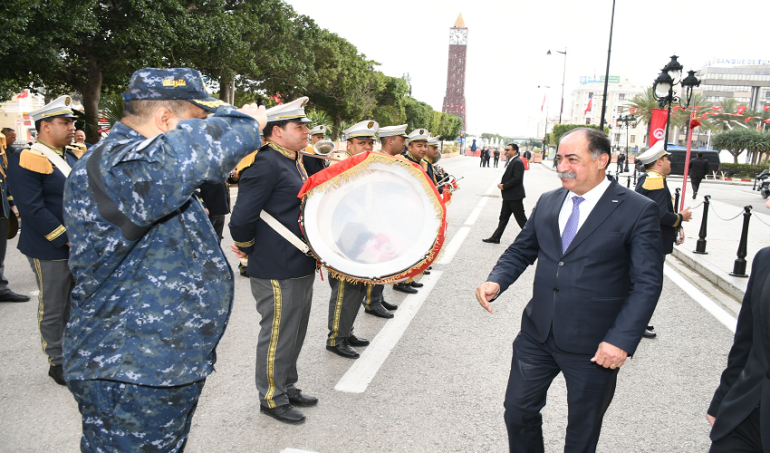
point(216, 198)
point(699, 168)
point(746, 380)
point(605, 287)
point(513, 180)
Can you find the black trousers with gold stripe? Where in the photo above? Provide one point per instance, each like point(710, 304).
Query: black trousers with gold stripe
point(284, 306)
point(344, 304)
point(55, 283)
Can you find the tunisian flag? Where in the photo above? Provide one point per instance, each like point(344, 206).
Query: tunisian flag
point(657, 126)
point(588, 107)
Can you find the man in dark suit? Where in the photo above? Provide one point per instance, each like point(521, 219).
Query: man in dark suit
point(699, 168)
point(740, 411)
point(512, 188)
point(599, 274)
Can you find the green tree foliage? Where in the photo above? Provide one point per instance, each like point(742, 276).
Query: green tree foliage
point(391, 100)
point(418, 114)
point(561, 129)
point(738, 140)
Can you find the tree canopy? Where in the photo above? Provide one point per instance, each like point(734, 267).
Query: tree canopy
point(250, 47)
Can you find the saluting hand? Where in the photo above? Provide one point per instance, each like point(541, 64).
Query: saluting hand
point(609, 356)
point(257, 112)
point(486, 292)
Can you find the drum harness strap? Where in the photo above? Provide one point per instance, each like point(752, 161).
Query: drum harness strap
point(278, 227)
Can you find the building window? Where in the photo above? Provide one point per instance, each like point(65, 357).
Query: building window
point(588, 120)
point(622, 97)
point(617, 138)
point(633, 139)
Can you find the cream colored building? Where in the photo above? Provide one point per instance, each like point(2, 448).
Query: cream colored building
point(620, 90)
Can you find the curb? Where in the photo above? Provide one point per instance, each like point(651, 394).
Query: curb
point(733, 286)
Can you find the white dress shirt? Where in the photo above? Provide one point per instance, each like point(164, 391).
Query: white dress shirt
point(590, 199)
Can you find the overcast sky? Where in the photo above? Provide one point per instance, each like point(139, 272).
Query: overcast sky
point(508, 41)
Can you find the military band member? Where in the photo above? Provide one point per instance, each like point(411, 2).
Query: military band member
point(417, 149)
point(313, 164)
point(652, 185)
point(346, 297)
point(6, 216)
point(432, 156)
point(37, 178)
point(281, 275)
point(154, 290)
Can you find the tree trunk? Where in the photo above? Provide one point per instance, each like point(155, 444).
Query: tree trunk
point(224, 88)
point(91, 92)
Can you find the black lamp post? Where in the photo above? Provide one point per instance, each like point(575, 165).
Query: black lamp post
point(626, 120)
point(563, 74)
point(663, 89)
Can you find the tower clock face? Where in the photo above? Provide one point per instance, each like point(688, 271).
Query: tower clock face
point(458, 36)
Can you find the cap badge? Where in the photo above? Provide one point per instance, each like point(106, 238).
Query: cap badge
point(422, 131)
point(169, 82)
point(369, 126)
point(67, 101)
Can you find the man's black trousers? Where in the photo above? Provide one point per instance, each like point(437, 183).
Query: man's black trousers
point(515, 207)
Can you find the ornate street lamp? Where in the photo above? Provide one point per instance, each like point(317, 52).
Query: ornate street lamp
point(629, 121)
point(563, 74)
point(663, 89)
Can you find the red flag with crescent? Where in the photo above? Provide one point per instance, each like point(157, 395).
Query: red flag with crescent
point(657, 126)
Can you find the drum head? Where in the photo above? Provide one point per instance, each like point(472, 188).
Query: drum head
point(379, 220)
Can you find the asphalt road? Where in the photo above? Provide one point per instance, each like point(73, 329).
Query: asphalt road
point(434, 379)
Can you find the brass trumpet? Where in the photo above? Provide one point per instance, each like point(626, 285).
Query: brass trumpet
point(322, 150)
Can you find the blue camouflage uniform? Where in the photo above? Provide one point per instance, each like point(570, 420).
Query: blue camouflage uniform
point(149, 308)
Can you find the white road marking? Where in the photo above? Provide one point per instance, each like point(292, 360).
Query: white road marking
point(358, 377)
point(704, 301)
point(454, 245)
point(294, 450)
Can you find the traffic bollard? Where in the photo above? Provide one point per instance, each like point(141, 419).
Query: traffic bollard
point(628, 181)
point(700, 247)
point(676, 199)
point(739, 268)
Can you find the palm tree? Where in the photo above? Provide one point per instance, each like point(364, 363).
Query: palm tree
point(644, 103)
point(736, 141)
point(726, 120)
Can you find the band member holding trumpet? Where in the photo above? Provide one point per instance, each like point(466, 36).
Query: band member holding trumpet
point(312, 164)
point(346, 297)
point(281, 275)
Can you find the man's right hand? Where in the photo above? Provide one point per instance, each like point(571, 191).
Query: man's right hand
point(711, 419)
point(686, 214)
point(486, 292)
point(257, 112)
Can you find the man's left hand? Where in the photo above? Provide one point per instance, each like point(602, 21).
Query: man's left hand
point(500, 186)
point(234, 248)
point(609, 356)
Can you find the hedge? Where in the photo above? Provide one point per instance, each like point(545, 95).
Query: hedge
point(741, 170)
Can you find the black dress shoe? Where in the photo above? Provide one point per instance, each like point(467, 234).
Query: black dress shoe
point(57, 373)
point(296, 398)
point(426, 273)
point(416, 285)
point(285, 414)
point(343, 349)
point(491, 241)
point(379, 311)
point(10, 296)
point(355, 341)
point(404, 288)
point(389, 307)
point(649, 332)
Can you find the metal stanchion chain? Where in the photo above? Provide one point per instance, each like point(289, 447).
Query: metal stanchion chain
point(760, 219)
point(722, 218)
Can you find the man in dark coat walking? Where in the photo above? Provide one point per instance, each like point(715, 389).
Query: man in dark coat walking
point(512, 188)
point(699, 168)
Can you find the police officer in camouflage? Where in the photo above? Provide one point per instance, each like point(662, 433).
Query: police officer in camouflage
point(281, 275)
point(154, 291)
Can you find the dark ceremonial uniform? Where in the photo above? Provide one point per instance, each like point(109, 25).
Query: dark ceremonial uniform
point(281, 275)
point(653, 186)
point(216, 198)
point(345, 302)
point(153, 299)
point(5, 215)
point(39, 189)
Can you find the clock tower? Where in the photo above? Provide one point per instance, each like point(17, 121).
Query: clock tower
point(454, 100)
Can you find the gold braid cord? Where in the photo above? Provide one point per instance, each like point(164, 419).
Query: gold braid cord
point(361, 170)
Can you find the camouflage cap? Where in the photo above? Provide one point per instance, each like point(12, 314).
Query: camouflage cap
point(155, 84)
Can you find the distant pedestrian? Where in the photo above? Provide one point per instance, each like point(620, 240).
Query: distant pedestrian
point(621, 162)
point(699, 168)
point(497, 157)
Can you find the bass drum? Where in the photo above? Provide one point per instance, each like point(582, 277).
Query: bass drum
point(373, 218)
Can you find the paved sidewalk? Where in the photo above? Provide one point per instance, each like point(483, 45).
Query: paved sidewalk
point(722, 239)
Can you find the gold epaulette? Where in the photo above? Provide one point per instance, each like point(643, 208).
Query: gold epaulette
point(310, 149)
point(424, 165)
point(653, 182)
point(245, 163)
point(35, 161)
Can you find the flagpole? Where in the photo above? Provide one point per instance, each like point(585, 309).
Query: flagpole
point(687, 159)
point(607, 74)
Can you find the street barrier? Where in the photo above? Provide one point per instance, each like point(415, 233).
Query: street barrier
point(678, 192)
point(739, 268)
point(700, 247)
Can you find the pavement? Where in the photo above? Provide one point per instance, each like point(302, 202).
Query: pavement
point(434, 377)
point(724, 228)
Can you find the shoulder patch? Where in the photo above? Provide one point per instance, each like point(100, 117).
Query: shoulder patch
point(653, 182)
point(35, 161)
point(246, 162)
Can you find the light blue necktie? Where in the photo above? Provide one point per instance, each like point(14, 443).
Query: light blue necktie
point(570, 229)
